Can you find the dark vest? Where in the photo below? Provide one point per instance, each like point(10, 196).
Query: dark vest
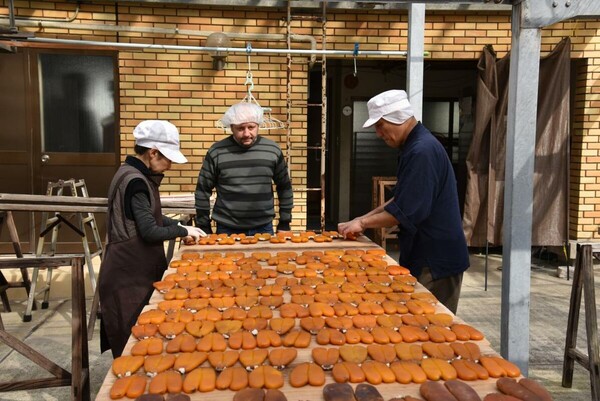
point(130, 265)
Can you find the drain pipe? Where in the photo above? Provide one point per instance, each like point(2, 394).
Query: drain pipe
point(37, 23)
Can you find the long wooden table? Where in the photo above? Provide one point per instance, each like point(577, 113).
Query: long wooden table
point(306, 393)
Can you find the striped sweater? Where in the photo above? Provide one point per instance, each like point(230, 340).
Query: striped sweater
point(243, 178)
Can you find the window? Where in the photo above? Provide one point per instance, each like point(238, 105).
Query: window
point(77, 103)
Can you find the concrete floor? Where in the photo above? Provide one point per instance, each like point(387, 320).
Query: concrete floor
point(49, 332)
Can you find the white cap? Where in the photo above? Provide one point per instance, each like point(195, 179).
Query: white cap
point(392, 106)
point(161, 135)
point(243, 112)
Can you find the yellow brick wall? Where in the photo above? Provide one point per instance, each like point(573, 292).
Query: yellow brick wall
point(182, 87)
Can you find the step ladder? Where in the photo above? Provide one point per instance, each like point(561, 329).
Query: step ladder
point(51, 225)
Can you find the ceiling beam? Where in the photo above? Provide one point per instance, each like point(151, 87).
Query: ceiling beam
point(539, 14)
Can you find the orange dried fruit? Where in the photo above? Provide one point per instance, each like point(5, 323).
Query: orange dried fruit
point(377, 372)
point(408, 352)
point(180, 315)
point(364, 321)
point(353, 353)
point(212, 342)
point(181, 343)
point(208, 313)
point(265, 377)
point(297, 339)
point(345, 309)
point(172, 304)
point(200, 328)
point(234, 313)
point(410, 334)
point(228, 327)
point(469, 370)
point(169, 381)
point(438, 350)
point(355, 336)
point(153, 316)
point(282, 325)
point(344, 372)
point(330, 336)
point(279, 358)
point(222, 303)
point(307, 373)
point(292, 310)
point(176, 293)
point(188, 361)
point(254, 325)
point(196, 304)
point(234, 379)
point(171, 329)
point(370, 308)
point(439, 334)
point(341, 323)
point(437, 369)
point(464, 332)
point(126, 365)
point(260, 311)
point(382, 353)
point(141, 331)
point(271, 289)
point(272, 302)
point(200, 379)
point(268, 338)
point(155, 364)
point(312, 324)
point(253, 358)
point(128, 386)
point(326, 357)
point(317, 309)
point(242, 340)
point(223, 359)
point(415, 320)
point(147, 346)
point(163, 286)
point(391, 321)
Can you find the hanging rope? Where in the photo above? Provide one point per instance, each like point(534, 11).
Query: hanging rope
point(269, 122)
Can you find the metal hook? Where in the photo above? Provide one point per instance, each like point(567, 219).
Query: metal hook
point(249, 81)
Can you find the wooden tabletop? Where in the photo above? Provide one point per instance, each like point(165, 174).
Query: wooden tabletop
point(306, 393)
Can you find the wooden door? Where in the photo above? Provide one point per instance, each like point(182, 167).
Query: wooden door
point(60, 110)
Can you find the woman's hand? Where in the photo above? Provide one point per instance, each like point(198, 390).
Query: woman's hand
point(194, 232)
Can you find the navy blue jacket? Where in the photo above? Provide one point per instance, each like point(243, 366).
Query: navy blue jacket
point(426, 206)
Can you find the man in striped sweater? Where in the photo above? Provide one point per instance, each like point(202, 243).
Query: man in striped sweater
point(242, 168)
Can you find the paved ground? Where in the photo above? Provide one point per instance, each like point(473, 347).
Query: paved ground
point(49, 332)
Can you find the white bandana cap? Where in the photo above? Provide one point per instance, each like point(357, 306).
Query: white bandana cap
point(243, 112)
point(392, 106)
point(161, 135)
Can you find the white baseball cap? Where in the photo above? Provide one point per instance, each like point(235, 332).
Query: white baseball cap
point(392, 106)
point(161, 135)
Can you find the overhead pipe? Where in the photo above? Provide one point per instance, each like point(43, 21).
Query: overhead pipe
point(37, 23)
point(247, 50)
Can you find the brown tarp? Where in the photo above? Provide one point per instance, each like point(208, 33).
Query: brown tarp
point(484, 200)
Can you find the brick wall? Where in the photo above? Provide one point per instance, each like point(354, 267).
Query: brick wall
point(182, 87)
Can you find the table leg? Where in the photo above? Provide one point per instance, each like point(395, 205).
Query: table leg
point(80, 385)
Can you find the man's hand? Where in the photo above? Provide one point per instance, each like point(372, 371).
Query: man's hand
point(350, 227)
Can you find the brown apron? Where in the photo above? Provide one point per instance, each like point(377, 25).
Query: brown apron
point(129, 266)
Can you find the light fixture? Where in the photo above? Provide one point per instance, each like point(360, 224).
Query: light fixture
point(218, 39)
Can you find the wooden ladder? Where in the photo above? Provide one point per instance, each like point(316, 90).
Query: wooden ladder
point(52, 224)
point(583, 282)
